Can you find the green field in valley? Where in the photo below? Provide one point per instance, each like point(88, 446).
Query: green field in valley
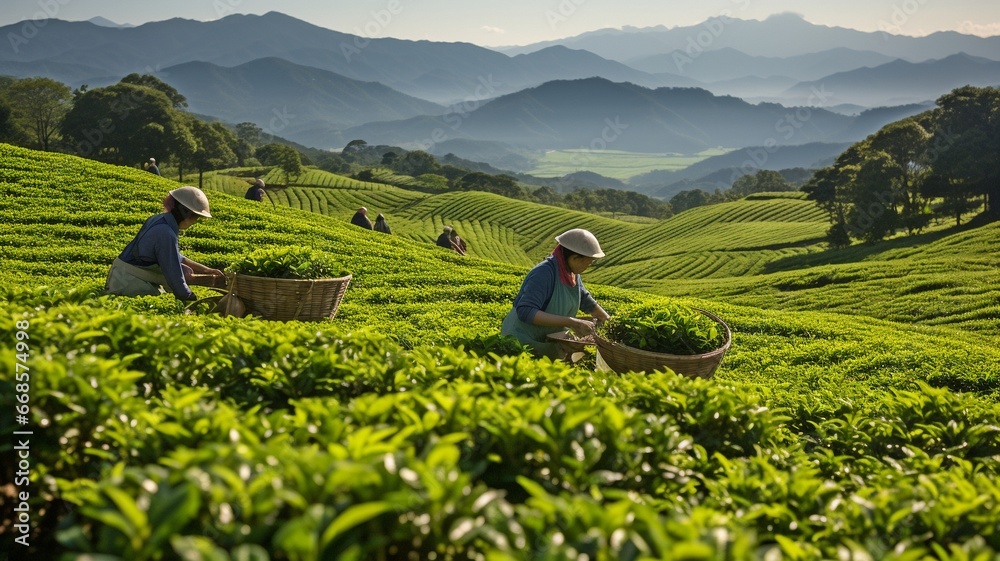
point(614, 163)
point(855, 416)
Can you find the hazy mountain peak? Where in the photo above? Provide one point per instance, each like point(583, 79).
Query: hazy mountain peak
point(556, 49)
point(105, 22)
point(964, 57)
point(635, 29)
point(783, 17)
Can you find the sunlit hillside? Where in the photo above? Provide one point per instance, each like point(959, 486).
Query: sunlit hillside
point(405, 428)
point(766, 250)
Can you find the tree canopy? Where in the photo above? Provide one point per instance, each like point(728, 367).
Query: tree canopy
point(936, 164)
point(282, 156)
point(38, 106)
point(148, 80)
point(121, 124)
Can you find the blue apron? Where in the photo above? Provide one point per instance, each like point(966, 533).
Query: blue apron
point(565, 302)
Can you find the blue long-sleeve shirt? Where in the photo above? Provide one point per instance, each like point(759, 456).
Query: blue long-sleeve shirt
point(157, 244)
point(537, 288)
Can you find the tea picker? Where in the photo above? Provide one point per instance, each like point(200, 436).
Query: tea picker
point(546, 307)
point(152, 260)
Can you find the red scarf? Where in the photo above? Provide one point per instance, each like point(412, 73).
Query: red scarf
point(566, 276)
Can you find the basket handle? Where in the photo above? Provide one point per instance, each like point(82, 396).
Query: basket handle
point(302, 301)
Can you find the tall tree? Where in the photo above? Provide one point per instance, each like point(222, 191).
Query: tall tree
point(545, 195)
point(685, 200)
point(873, 213)
point(282, 156)
point(504, 185)
point(250, 132)
point(415, 163)
point(8, 130)
point(956, 197)
point(213, 147)
point(905, 143)
point(39, 106)
point(389, 159)
point(183, 145)
point(967, 143)
point(829, 187)
point(121, 124)
point(290, 161)
point(150, 81)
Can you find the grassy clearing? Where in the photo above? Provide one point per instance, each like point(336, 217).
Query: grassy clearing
point(614, 163)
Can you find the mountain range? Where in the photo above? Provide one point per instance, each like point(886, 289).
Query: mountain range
point(727, 82)
point(598, 114)
point(781, 35)
point(706, 173)
point(912, 82)
point(82, 52)
point(728, 63)
point(296, 101)
point(727, 56)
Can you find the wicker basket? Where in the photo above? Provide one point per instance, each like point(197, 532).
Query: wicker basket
point(622, 358)
point(290, 299)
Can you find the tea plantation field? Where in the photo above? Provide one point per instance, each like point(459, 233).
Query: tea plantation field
point(405, 429)
point(763, 251)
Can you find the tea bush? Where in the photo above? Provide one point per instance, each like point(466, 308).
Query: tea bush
point(659, 328)
point(291, 262)
point(408, 428)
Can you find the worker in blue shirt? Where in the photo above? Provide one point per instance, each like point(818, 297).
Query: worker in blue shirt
point(153, 259)
point(256, 191)
point(551, 295)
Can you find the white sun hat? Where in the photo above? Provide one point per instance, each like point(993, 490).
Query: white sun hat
point(580, 241)
point(193, 199)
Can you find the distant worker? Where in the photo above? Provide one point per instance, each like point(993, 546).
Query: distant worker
point(151, 166)
point(457, 243)
point(381, 225)
point(444, 240)
point(256, 191)
point(551, 295)
point(153, 260)
point(360, 218)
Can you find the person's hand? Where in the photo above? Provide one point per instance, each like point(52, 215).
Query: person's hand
point(600, 316)
point(583, 327)
point(219, 277)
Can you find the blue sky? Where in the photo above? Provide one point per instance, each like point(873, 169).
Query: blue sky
point(519, 22)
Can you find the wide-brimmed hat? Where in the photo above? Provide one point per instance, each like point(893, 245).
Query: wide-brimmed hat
point(193, 198)
point(580, 241)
